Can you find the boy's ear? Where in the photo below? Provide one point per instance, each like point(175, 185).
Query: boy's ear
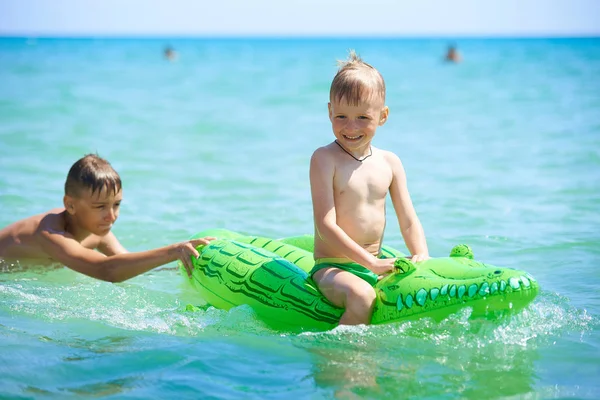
point(384, 115)
point(330, 111)
point(69, 203)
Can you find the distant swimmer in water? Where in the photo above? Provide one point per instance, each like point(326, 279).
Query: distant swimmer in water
point(170, 54)
point(453, 55)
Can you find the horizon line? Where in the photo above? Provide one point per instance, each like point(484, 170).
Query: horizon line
point(150, 36)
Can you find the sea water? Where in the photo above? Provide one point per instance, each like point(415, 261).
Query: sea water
point(502, 152)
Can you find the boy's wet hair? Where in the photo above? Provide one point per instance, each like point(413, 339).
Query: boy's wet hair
point(94, 173)
point(355, 81)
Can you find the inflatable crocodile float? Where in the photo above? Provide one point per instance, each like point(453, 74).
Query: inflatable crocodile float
point(271, 276)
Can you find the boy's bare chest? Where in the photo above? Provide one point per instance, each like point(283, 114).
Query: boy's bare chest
point(365, 182)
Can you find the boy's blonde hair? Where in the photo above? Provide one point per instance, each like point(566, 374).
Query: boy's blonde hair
point(94, 173)
point(355, 81)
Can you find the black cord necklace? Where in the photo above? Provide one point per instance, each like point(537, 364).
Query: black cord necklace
point(351, 155)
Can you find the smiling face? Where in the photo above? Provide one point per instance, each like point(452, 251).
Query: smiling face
point(357, 105)
point(354, 125)
point(94, 212)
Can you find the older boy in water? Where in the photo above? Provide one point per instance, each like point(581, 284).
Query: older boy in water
point(350, 180)
point(71, 235)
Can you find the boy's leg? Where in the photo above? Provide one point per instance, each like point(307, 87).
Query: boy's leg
point(348, 291)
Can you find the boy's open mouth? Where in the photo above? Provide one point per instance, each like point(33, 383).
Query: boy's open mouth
point(353, 137)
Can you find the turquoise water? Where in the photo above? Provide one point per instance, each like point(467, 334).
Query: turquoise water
point(502, 152)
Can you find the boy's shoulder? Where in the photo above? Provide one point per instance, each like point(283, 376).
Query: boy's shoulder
point(324, 153)
point(52, 217)
point(324, 149)
point(388, 155)
point(52, 220)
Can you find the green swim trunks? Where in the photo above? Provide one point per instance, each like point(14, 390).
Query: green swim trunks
point(352, 267)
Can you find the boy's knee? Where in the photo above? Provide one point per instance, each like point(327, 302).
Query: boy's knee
point(363, 293)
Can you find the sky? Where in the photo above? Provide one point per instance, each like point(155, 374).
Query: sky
point(300, 17)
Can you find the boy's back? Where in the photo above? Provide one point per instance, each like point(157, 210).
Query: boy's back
point(20, 240)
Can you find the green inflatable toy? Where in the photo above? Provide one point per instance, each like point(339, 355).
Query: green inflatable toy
point(271, 276)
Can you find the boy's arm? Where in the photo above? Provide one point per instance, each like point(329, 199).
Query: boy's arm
point(321, 184)
point(410, 226)
point(114, 268)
